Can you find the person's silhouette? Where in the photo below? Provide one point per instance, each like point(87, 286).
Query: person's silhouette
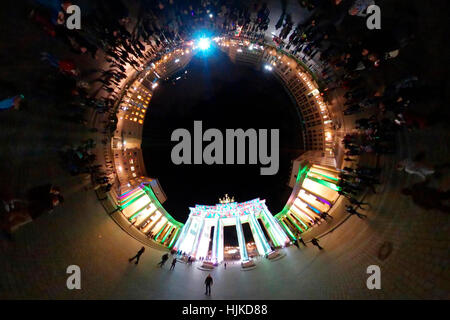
point(137, 256)
point(208, 283)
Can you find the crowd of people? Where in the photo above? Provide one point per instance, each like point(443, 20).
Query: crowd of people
point(357, 64)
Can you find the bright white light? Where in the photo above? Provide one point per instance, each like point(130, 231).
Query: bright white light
point(211, 15)
point(204, 43)
point(239, 50)
point(177, 60)
point(267, 67)
point(154, 85)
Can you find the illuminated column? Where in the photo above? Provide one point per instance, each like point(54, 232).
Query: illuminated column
point(150, 229)
point(198, 235)
point(160, 231)
point(300, 214)
point(173, 238)
point(288, 231)
point(267, 228)
point(165, 233)
point(277, 234)
point(293, 222)
point(221, 243)
point(289, 224)
point(297, 218)
point(205, 239)
point(260, 240)
point(183, 234)
point(166, 239)
point(241, 239)
point(215, 246)
point(143, 215)
point(324, 182)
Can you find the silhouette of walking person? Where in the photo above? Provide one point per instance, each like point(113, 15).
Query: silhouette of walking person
point(352, 211)
point(164, 258)
point(315, 242)
point(302, 241)
point(357, 203)
point(208, 284)
point(326, 216)
point(137, 256)
point(174, 262)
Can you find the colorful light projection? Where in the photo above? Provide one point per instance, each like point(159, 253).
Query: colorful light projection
point(143, 210)
point(315, 192)
point(195, 236)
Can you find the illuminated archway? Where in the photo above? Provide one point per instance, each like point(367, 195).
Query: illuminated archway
point(313, 179)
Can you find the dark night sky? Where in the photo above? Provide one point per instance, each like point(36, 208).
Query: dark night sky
point(224, 96)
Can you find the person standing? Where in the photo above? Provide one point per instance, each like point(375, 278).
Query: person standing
point(174, 262)
point(300, 239)
point(164, 258)
point(315, 242)
point(137, 256)
point(225, 265)
point(324, 215)
point(208, 284)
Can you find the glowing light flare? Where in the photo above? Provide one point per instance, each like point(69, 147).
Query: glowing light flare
point(204, 44)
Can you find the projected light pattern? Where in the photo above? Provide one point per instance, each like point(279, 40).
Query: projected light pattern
point(195, 237)
point(315, 192)
point(241, 239)
point(143, 210)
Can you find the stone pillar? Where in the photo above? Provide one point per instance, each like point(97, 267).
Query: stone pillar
point(260, 240)
point(183, 234)
point(241, 239)
point(197, 238)
point(215, 246)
